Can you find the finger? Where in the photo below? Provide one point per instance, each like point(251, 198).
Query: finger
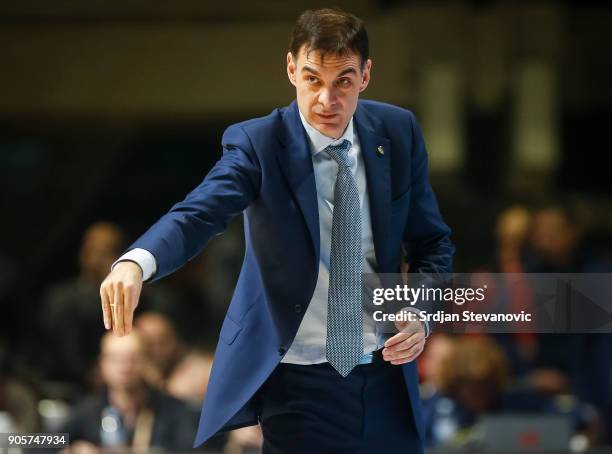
point(414, 355)
point(391, 355)
point(399, 337)
point(403, 349)
point(415, 339)
point(402, 354)
point(412, 339)
point(129, 302)
point(118, 312)
point(106, 308)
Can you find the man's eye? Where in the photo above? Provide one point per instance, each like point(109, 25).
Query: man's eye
point(312, 79)
point(344, 82)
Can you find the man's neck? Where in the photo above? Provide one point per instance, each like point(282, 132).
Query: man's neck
point(127, 400)
point(320, 132)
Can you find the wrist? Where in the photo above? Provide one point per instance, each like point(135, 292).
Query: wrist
point(128, 264)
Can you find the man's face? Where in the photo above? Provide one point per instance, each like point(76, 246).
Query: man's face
point(159, 339)
point(328, 88)
point(121, 361)
point(101, 246)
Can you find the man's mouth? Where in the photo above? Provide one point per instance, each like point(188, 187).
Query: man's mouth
point(327, 116)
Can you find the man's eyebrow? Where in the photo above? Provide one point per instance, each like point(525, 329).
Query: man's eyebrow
point(309, 69)
point(347, 71)
point(342, 73)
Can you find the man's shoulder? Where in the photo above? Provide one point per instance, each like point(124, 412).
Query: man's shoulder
point(390, 120)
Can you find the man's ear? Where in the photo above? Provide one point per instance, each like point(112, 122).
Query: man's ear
point(291, 68)
point(365, 76)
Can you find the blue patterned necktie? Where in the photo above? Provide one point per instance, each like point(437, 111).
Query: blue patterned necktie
point(344, 345)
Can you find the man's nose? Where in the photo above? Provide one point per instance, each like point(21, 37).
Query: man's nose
point(327, 97)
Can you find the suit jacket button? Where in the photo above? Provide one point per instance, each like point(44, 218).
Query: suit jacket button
point(298, 308)
point(281, 351)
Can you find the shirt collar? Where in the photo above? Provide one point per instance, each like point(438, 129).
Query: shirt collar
point(319, 141)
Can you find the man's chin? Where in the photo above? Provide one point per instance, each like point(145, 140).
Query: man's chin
point(329, 130)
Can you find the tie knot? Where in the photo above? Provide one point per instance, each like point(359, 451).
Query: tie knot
point(340, 153)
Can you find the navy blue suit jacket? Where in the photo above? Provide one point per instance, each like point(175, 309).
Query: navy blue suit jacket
point(266, 171)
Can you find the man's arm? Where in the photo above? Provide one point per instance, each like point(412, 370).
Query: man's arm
point(426, 236)
point(181, 234)
point(429, 250)
point(143, 258)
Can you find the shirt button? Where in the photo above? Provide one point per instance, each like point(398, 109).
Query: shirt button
point(298, 308)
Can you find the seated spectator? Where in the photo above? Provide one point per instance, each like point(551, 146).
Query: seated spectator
point(468, 381)
point(18, 403)
point(511, 231)
point(474, 381)
point(129, 412)
point(71, 315)
point(554, 242)
point(437, 351)
point(555, 247)
point(189, 379)
point(163, 346)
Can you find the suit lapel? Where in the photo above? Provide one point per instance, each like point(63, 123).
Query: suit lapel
point(295, 161)
point(377, 166)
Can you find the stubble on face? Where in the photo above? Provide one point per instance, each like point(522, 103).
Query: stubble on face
point(327, 88)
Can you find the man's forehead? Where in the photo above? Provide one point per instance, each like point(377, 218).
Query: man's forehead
point(112, 344)
point(316, 58)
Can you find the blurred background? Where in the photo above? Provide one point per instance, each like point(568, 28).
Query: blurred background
point(111, 111)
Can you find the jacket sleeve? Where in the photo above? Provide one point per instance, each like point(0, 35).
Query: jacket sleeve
point(426, 236)
point(229, 188)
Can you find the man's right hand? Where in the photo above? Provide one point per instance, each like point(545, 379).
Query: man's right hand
point(120, 292)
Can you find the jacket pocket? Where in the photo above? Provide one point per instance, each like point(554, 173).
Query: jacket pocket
point(229, 330)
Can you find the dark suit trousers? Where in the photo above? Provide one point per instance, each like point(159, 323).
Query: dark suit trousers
point(313, 409)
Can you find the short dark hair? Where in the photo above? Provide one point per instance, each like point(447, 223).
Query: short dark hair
point(330, 31)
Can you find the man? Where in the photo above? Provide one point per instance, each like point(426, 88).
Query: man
point(163, 345)
point(71, 348)
point(330, 187)
point(129, 412)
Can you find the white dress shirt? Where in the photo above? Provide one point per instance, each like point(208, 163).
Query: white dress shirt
point(308, 346)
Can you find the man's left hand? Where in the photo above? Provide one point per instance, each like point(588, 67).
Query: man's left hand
point(406, 345)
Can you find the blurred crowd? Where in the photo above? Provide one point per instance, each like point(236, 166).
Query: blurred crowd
point(145, 390)
point(141, 391)
point(468, 376)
